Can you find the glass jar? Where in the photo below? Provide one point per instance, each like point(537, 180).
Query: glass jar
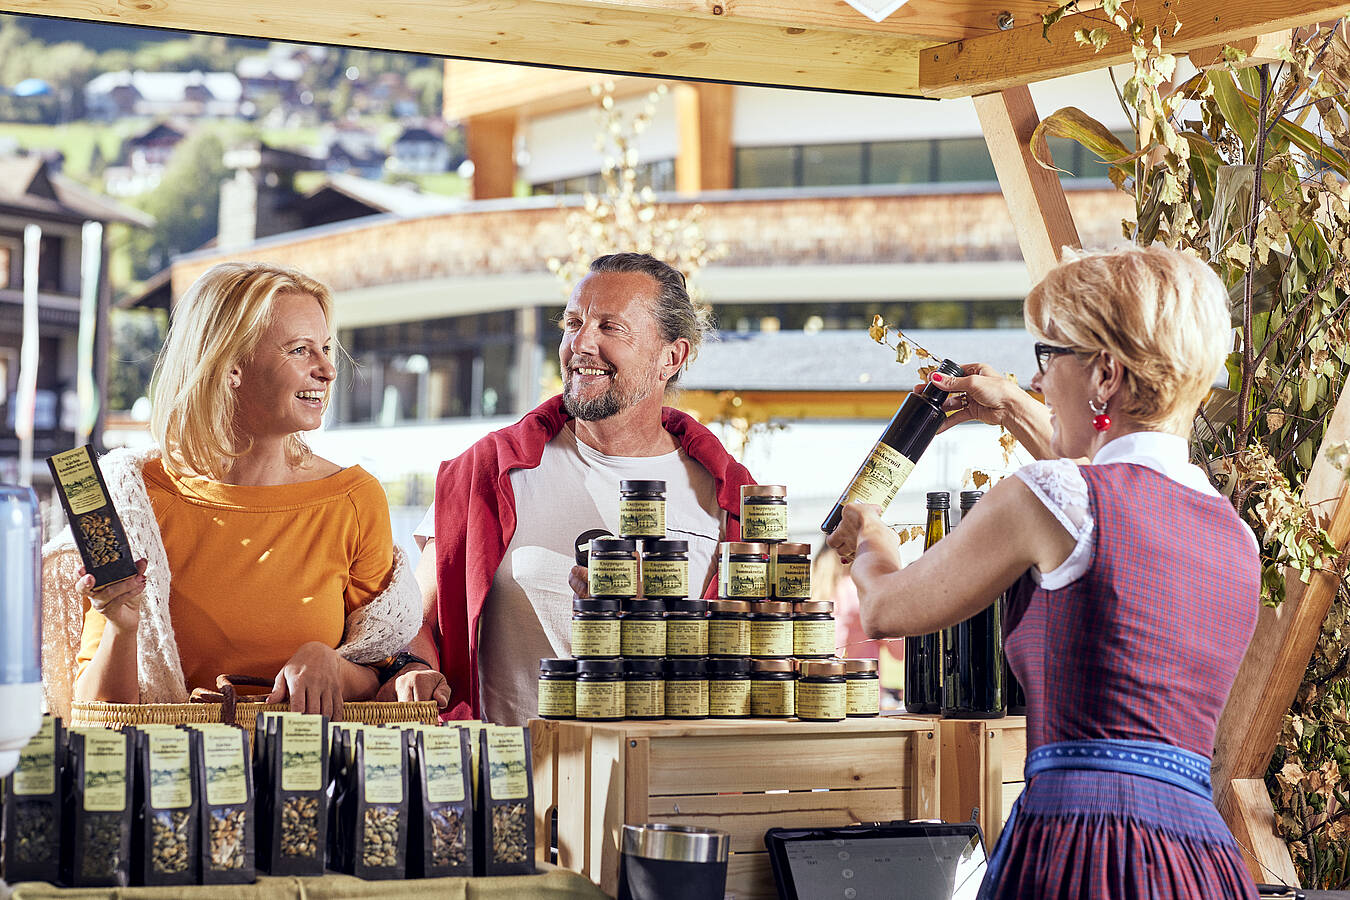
point(600, 690)
point(557, 688)
point(642, 629)
point(813, 630)
point(644, 689)
point(822, 695)
point(862, 688)
point(612, 568)
point(743, 570)
point(665, 569)
point(771, 630)
point(642, 509)
point(728, 628)
point(687, 628)
point(790, 571)
point(686, 688)
point(728, 688)
point(764, 513)
point(595, 628)
point(773, 688)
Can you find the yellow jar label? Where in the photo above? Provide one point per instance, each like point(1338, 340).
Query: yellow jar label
point(506, 754)
point(773, 698)
point(644, 697)
point(728, 697)
point(864, 696)
point(105, 771)
point(642, 518)
point(771, 637)
point(383, 765)
point(599, 699)
point(226, 782)
point(36, 773)
point(170, 769)
point(557, 697)
point(665, 577)
point(642, 637)
point(443, 761)
point(686, 699)
point(764, 521)
point(302, 753)
point(881, 477)
point(728, 637)
point(813, 637)
point(595, 637)
point(821, 700)
point(792, 580)
point(79, 481)
point(686, 637)
point(744, 579)
point(612, 577)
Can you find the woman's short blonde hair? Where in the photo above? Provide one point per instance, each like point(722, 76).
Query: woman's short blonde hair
point(1161, 314)
point(217, 326)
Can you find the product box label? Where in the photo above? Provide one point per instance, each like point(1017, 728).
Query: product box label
point(764, 521)
point(792, 580)
point(612, 577)
point(302, 753)
point(686, 637)
point(665, 577)
point(444, 764)
point(642, 518)
point(74, 470)
point(744, 579)
point(383, 765)
point(36, 773)
point(595, 637)
point(226, 779)
point(506, 763)
point(881, 477)
point(170, 769)
point(105, 771)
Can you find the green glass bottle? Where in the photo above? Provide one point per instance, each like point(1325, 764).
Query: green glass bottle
point(973, 682)
point(923, 654)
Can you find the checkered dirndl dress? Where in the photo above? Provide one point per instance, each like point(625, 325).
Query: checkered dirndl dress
point(1143, 647)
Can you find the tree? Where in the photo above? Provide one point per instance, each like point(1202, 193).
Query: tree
point(137, 336)
point(186, 204)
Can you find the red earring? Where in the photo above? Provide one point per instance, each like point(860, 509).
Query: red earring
point(1101, 421)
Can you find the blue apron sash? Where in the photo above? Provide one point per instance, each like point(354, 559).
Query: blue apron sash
point(1146, 759)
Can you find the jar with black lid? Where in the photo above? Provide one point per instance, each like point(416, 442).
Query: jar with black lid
point(665, 569)
point(728, 688)
point(771, 630)
point(642, 509)
point(557, 688)
point(862, 688)
point(687, 628)
point(822, 693)
point(686, 688)
point(600, 690)
point(764, 513)
point(743, 570)
point(644, 689)
point(612, 568)
point(773, 684)
point(790, 571)
point(813, 630)
point(642, 629)
point(729, 628)
point(595, 628)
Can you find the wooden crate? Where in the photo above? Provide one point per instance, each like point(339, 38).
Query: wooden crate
point(742, 777)
point(981, 770)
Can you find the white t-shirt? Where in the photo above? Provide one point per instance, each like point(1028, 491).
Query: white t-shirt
point(575, 488)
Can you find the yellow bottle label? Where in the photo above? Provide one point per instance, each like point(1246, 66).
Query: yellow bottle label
point(599, 699)
point(665, 577)
point(728, 637)
point(595, 637)
point(764, 521)
point(744, 579)
point(864, 696)
point(302, 748)
point(642, 637)
point(771, 637)
point(612, 577)
point(105, 771)
point(642, 518)
point(79, 481)
point(644, 697)
point(686, 699)
point(170, 769)
point(728, 697)
point(226, 781)
point(792, 580)
point(507, 773)
point(36, 773)
point(383, 765)
point(443, 761)
point(773, 699)
point(821, 700)
point(557, 697)
point(813, 637)
point(881, 477)
point(686, 637)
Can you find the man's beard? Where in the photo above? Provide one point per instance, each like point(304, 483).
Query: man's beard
point(616, 398)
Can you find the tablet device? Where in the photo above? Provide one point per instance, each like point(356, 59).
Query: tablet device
point(881, 861)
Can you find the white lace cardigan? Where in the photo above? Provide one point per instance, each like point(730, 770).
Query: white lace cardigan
point(375, 630)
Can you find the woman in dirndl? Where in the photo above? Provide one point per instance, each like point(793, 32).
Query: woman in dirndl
point(1143, 583)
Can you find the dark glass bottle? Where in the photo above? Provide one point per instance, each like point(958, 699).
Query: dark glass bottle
point(923, 654)
point(910, 432)
point(972, 657)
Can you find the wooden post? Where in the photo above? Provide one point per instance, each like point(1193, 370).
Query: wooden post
point(703, 120)
point(491, 140)
point(1040, 213)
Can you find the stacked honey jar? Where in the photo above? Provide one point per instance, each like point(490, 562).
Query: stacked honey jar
point(644, 648)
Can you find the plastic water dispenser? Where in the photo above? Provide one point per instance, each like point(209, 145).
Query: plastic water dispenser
point(20, 622)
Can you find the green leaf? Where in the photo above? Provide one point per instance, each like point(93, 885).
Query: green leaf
point(1054, 16)
point(1235, 111)
point(1300, 137)
point(1075, 125)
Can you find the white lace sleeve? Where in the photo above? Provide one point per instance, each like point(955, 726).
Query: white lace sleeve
point(1059, 485)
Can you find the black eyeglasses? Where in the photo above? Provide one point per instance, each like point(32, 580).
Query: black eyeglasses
point(1045, 351)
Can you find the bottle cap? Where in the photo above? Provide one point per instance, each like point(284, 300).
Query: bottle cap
point(772, 608)
point(743, 547)
point(613, 545)
point(676, 666)
point(595, 605)
point(857, 666)
point(736, 665)
point(599, 666)
point(559, 666)
point(790, 549)
point(775, 666)
point(764, 490)
point(636, 666)
point(826, 667)
point(728, 606)
point(662, 545)
point(642, 487)
point(810, 607)
point(939, 500)
point(968, 498)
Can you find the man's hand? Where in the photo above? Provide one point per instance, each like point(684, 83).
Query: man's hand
point(312, 679)
point(416, 682)
point(579, 581)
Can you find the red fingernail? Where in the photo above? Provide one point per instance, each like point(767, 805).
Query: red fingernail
point(937, 377)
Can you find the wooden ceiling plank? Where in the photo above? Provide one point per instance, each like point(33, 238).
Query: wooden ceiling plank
point(994, 62)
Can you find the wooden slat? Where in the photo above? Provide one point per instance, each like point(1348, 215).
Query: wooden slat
point(606, 801)
point(473, 88)
point(703, 119)
point(543, 746)
point(926, 777)
point(706, 765)
point(1260, 49)
point(1011, 791)
point(1022, 55)
point(491, 143)
point(1014, 747)
point(750, 877)
point(991, 809)
point(891, 726)
point(1245, 806)
point(573, 749)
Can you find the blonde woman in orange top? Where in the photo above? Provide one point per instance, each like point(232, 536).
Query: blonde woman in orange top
point(257, 557)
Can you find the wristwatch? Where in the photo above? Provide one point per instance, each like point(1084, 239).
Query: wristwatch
point(390, 666)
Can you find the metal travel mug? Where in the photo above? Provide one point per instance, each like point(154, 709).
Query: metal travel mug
point(673, 862)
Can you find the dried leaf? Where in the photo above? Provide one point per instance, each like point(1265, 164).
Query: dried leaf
point(877, 331)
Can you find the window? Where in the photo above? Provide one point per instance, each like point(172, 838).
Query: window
point(828, 164)
point(763, 167)
point(901, 162)
point(964, 159)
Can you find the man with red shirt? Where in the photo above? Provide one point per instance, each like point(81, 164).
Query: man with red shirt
point(498, 570)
